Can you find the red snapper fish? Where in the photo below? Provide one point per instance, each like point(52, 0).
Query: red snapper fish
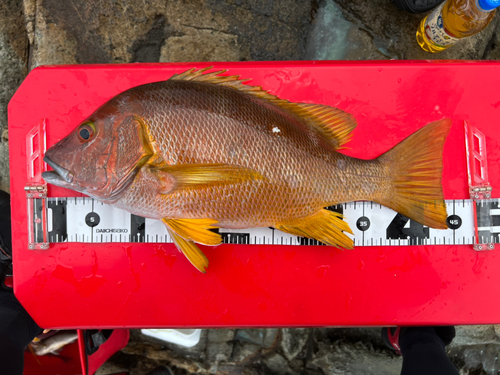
point(202, 151)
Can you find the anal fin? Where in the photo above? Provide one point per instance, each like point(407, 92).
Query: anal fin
point(325, 226)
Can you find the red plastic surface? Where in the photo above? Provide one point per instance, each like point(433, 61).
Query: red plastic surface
point(90, 363)
point(72, 359)
point(9, 282)
point(138, 285)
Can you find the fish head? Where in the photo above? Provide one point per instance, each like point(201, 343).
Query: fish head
point(101, 156)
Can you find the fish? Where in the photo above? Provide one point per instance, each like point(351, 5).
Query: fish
point(205, 150)
point(53, 344)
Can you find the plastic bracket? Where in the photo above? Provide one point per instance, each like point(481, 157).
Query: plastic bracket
point(480, 189)
point(36, 188)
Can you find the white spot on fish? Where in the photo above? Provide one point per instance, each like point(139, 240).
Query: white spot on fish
point(341, 164)
point(436, 108)
point(276, 130)
point(293, 181)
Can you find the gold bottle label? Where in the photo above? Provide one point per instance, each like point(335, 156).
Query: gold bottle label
point(435, 30)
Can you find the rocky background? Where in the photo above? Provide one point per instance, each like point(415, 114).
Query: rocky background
point(40, 32)
point(328, 351)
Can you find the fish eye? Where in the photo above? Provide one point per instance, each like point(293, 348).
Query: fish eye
point(86, 131)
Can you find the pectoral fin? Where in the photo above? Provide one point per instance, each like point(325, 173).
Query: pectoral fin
point(185, 176)
point(191, 251)
point(325, 226)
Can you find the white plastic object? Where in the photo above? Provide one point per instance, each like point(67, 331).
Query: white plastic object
point(183, 337)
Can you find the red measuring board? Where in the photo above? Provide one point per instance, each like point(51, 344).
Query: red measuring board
point(152, 285)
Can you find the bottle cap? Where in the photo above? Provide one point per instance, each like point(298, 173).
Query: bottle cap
point(489, 4)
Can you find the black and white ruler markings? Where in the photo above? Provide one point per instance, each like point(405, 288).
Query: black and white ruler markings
point(87, 220)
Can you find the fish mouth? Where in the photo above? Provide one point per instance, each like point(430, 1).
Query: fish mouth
point(58, 174)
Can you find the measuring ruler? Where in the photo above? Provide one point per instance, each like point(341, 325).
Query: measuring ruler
point(90, 221)
point(474, 221)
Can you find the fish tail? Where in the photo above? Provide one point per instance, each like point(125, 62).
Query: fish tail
point(416, 166)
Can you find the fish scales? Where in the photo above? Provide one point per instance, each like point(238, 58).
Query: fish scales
point(198, 123)
point(203, 150)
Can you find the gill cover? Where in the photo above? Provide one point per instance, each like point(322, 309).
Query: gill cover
point(102, 155)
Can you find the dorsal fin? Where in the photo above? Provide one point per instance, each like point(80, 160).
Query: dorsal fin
point(331, 123)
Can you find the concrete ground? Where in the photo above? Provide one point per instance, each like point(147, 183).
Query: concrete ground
point(39, 32)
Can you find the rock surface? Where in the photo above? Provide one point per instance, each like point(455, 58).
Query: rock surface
point(13, 69)
point(105, 31)
point(293, 341)
point(329, 351)
point(360, 30)
point(263, 337)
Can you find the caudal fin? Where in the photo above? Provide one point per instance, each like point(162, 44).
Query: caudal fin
point(416, 166)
